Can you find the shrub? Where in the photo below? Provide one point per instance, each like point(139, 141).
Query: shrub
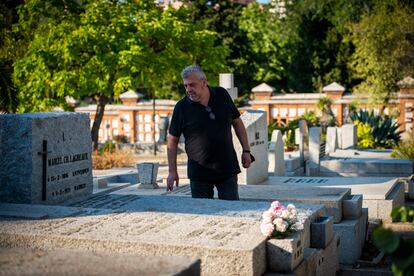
point(400, 250)
point(102, 160)
point(365, 138)
point(404, 149)
point(383, 129)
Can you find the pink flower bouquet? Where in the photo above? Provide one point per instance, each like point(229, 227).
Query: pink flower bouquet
point(278, 221)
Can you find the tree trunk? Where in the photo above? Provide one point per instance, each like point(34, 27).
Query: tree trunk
point(102, 100)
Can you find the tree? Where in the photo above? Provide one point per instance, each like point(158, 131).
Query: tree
point(106, 48)
point(223, 17)
point(270, 39)
point(9, 51)
point(384, 49)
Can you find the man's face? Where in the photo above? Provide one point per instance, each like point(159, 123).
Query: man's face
point(194, 87)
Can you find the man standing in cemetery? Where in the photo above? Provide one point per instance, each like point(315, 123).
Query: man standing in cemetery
point(205, 116)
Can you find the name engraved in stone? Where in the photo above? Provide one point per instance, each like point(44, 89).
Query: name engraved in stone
point(252, 144)
point(67, 159)
point(80, 172)
point(79, 187)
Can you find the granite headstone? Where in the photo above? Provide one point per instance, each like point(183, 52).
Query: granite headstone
point(45, 158)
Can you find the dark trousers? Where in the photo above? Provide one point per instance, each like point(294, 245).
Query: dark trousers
point(227, 189)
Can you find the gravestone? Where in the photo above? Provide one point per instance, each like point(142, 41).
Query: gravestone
point(226, 81)
point(303, 142)
point(349, 136)
point(256, 128)
point(45, 158)
point(276, 154)
point(147, 175)
point(331, 140)
point(163, 126)
point(314, 151)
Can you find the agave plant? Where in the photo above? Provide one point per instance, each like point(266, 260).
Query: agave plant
point(383, 128)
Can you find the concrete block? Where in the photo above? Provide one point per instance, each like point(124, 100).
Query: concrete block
point(284, 255)
point(327, 261)
point(395, 198)
point(292, 164)
point(321, 232)
point(23, 261)
point(351, 208)
point(364, 226)
point(349, 232)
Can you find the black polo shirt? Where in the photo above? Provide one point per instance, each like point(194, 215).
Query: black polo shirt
point(208, 137)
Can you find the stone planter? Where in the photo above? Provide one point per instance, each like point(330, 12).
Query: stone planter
point(351, 208)
point(321, 232)
point(147, 175)
point(284, 255)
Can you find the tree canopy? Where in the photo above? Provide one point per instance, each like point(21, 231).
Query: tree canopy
point(106, 47)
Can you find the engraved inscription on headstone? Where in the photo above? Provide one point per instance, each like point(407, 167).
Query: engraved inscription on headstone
point(48, 157)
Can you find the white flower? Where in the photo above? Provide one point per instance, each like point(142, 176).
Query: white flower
point(267, 229)
point(291, 207)
point(281, 226)
point(284, 214)
point(267, 217)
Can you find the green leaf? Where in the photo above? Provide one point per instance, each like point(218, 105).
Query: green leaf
point(385, 240)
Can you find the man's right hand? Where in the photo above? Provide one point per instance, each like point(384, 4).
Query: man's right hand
point(172, 177)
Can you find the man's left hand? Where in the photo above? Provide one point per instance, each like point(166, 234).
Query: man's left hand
point(246, 160)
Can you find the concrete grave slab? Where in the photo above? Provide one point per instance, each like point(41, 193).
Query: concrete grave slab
point(224, 245)
point(380, 194)
point(23, 261)
point(26, 211)
point(334, 166)
point(45, 157)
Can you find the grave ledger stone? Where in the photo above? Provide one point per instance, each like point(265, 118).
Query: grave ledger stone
point(45, 158)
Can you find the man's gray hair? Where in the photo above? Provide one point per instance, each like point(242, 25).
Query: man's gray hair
point(193, 70)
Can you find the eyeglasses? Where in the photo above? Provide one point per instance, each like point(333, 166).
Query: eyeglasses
point(210, 113)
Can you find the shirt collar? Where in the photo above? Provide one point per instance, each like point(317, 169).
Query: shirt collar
point(212, 93)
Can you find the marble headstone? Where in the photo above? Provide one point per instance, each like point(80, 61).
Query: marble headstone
point(45, 158)
point(314, 150)
point(227, 81)
point(276, 155)
point(331, 140)
point(256, 128)
point(303, 142)
point(349, 136)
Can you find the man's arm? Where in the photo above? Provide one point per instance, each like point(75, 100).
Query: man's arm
point(242, 136)
point(172, 143)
